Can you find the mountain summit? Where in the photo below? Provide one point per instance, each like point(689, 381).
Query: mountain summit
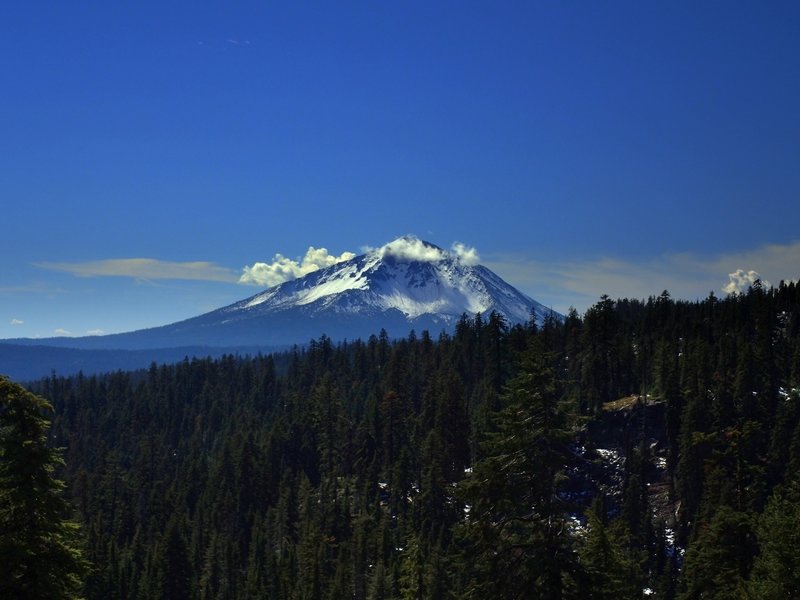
point(403, 285)
point(409, 276)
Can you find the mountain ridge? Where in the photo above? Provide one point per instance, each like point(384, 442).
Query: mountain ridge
point(403, 285)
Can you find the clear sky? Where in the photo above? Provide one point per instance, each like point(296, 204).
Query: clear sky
point(580, 147)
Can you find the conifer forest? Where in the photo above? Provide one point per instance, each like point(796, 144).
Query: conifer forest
point(644, 449)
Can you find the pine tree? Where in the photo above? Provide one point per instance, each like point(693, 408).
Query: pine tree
point(517, 540)
point(175, 571)
point(610, 573)
point(776, 572)
point(720, 557)
point(40, 555)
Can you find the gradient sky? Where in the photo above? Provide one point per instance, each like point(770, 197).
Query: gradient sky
point(580, 147)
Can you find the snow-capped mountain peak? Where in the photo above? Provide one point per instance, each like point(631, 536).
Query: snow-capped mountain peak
point(403, 285)
point(414, 277)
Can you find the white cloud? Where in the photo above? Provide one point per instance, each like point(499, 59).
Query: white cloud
point(466, 254)
point(62, 332)
point(410, 247)
point(740, 280)
point(17, 321)
point(95, 332)
point(144, 268)
point(283, 269)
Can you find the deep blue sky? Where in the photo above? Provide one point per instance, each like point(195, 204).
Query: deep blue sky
point(582, 147)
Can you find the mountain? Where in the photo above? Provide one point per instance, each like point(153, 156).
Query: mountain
point(406, 284)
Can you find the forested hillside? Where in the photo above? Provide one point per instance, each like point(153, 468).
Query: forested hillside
point(645, 449)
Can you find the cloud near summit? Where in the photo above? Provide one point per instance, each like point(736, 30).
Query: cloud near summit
point(283, 269)
point(412, 248)
point(466, 254)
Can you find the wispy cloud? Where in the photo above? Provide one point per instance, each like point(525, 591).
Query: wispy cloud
point(95, 332)
point(62, 332)
point(144, 268)
point(690, 276)
point(17, 322)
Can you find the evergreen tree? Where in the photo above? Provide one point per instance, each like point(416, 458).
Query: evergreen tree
point(517, 542)
point(40, 555)
point(175, 571)
point(720, 557)
point(776, 572)
point(412, 571)
point(610, 572)
point(600, 359)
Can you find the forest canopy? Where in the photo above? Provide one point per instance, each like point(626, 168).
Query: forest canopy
point(644, 449)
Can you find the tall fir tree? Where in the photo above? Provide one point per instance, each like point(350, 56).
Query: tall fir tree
point(40, 554)
point(776, 571)
point(516, 539)
point(175, 571)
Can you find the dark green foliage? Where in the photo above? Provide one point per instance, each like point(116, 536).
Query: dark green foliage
point(458, 466)
point(720, 557)
point(516, 537)
point(776, 572)
point(174, 569)
point(610, 569)
point(40, 556)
